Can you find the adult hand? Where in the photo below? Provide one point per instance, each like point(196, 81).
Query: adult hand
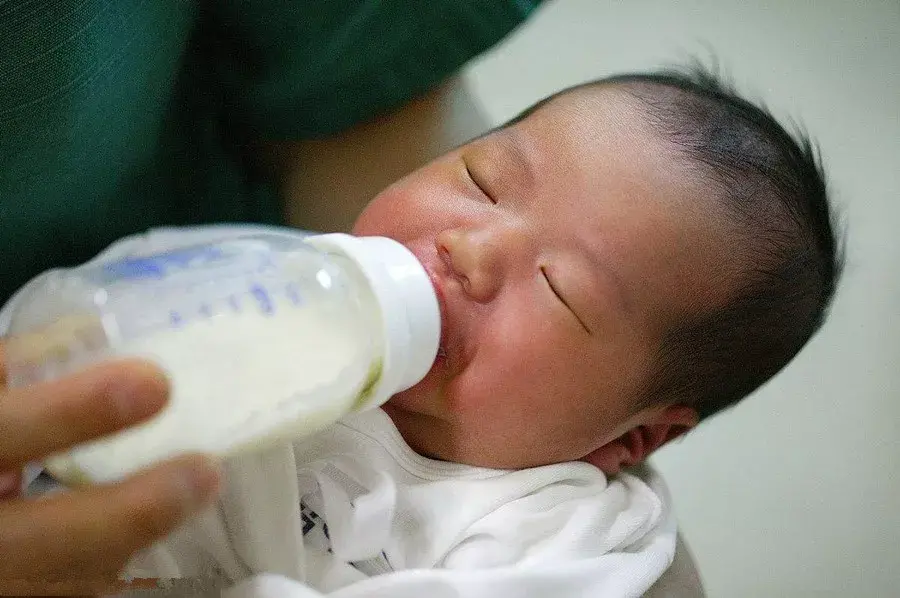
point(84, 537)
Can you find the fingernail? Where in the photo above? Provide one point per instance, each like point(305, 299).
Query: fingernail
point(198, 480)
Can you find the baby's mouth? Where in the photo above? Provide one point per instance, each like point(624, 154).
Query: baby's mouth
point(442, 352)
point(445, 346)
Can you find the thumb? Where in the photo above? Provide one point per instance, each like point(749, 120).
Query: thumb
point(10, 484)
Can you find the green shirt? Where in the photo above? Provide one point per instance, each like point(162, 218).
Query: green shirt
point(118, 116)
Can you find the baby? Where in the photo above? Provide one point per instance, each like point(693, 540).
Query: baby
point(622, 261)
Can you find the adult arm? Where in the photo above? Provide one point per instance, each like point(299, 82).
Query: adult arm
point(325, 183)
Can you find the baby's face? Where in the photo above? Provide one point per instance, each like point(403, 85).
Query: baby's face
point(562, 249)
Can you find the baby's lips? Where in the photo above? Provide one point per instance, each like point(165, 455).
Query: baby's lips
point(437, 283)
point(438, 286)
point(432, 265)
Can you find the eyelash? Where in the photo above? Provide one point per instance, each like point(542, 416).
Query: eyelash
point(480, 188)
point(563, 301)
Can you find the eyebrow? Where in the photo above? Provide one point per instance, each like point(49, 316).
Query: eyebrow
point(622, 295)
point(611, 283)
point(514, 157)
point(605, 278)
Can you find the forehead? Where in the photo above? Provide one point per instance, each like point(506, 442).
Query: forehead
point(605, 131)
point(605, 177)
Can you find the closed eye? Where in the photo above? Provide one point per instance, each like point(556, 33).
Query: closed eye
point(474, 180)
point(562, 300)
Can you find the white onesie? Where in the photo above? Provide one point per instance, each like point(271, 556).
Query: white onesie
point(354, 512)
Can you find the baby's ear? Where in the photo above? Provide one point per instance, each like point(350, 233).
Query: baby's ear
point(638, 443)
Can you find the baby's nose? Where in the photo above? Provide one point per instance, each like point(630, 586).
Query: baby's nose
point(474, 258)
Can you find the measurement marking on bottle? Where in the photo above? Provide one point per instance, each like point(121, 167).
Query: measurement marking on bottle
point(293, 294)
point(262, 297)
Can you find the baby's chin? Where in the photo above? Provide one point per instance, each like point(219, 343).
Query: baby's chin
point(423, 398)
point(415, 428)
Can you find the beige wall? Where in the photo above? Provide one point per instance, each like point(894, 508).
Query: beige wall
point(797, 491)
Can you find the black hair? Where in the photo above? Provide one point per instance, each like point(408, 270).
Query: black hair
point(773, 194)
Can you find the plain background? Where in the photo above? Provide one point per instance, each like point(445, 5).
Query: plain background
point(796, 492)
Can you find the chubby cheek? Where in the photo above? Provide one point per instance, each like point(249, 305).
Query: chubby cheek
point(526, 407)
point(385, 215)
point(537, 384)
point(409, 208)
point(523, 362)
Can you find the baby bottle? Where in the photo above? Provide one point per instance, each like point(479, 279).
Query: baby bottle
point(265, 338)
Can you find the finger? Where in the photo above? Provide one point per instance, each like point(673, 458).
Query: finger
point(10, 484)
point(75, 588)
point(40, 420)
point(91, 534)
point(2, 365)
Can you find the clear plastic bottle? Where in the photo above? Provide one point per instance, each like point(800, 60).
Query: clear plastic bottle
point(265, 338)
